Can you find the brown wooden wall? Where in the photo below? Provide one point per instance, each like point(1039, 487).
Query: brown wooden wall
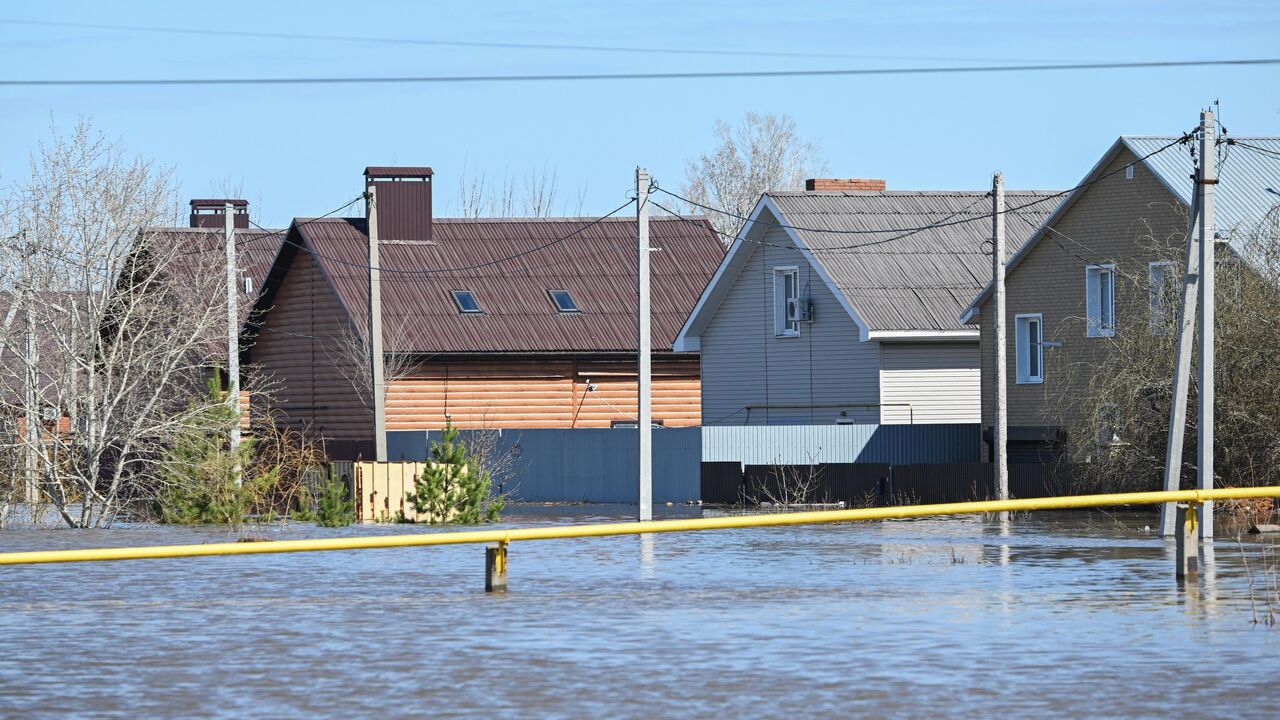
point(540, 393)
point(299, 349)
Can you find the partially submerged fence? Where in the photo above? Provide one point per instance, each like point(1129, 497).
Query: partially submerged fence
point(862, 484)
point(600, 465)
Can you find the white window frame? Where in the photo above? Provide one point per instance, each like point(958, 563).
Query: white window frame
point(1024, 347)
point(1158, 314)
point(782, 326)
point(1097, 309)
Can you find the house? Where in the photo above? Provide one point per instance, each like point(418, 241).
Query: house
point(841, 304)
point(488, 323)
point(1096, 267)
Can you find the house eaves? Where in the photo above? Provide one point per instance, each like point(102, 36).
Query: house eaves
point(690, 336)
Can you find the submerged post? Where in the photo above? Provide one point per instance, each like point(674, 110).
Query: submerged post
point(1187, 560)
point(495, 567)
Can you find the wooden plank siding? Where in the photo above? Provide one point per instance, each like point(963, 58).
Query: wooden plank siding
point(537, 393)
point(298, 349)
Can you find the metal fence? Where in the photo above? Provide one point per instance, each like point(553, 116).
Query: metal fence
point(823, 444)
point(580, 465)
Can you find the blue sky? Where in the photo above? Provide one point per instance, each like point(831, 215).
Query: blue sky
point(299, 151)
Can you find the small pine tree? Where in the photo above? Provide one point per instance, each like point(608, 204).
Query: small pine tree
point(455, 487)
point(198, 471)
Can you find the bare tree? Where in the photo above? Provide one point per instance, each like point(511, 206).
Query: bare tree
point(1118, 427)
point(111, 328)
point(764, 152)
point(348, 353)
point(532, 195)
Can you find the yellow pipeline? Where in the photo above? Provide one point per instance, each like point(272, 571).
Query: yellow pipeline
point(658, 526)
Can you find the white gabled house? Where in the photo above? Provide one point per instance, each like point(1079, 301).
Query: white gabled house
point(841, 306)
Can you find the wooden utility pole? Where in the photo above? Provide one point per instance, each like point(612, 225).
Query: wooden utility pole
point(644, 371)
point(377, 376)
point(1192, 291)
point(1000, 433)
point(233, 335)
point(1204, 420)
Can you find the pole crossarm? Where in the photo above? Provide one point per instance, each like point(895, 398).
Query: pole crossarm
point(636, 528)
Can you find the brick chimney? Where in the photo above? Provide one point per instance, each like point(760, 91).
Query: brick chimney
point(404, 201)
point(208, 213)
point(821, 184)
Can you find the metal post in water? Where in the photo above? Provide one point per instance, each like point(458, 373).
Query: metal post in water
point(1187, 559)
point(495, 567)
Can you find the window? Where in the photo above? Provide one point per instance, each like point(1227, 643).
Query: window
point(1163, 296)
point(466, 301)
point(1128, 172)
point(1029, 348)
point(563, 301)
point(248, 286)
point(1100, 300)
point(786, 302)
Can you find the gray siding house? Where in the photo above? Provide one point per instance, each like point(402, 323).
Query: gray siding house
point(843, 306)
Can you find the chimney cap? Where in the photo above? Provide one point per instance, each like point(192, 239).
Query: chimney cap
point(829, 184)
point(391, 171)
point(219, 202)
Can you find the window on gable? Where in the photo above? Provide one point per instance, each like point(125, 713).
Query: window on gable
point(786, 302)
point(563, 301)
point(1163, 295)
point(1029, 348)
point(1100, 300)
point(466, 301)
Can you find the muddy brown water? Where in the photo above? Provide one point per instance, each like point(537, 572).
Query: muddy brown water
point(1056, 615)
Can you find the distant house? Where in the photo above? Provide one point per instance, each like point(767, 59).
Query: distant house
point(841, 304)
point(497, 323)
point(1097, 265)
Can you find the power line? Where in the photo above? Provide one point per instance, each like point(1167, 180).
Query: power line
point(906, 232)
point(284, 231)
point(1255, 148)
point(435, 42)
point(461, 268)
point(696, 75)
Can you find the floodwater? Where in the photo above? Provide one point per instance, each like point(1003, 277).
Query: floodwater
point(1065, 615)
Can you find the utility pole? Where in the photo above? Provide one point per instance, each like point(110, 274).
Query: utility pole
point(233, 336)
point(32, 409)
point(1191, 292)
point(1204, 423)
point(378, 379)
point(644, 422)
point(1000, 432)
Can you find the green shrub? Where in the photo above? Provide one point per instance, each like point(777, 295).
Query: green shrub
point(335, 506)
point(455, 487)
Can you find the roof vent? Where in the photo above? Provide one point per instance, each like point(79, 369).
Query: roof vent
point(208, 213)
point(403, 197)
point(822, 184)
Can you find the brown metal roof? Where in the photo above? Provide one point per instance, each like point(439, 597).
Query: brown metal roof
point(597, 266)
point(219, 202)
point(394, 171)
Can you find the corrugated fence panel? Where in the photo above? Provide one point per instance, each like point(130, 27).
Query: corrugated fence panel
point(582, 465)
point(821, 444)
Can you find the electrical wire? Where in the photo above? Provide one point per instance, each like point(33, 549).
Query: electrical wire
point(460, 268)
point(1254, 148)
point(632, 49)
point(685, 75)
point(283, 231)
point(906, 232)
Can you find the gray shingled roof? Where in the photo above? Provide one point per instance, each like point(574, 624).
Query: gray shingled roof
point(1244, 174)
point(898, 280)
